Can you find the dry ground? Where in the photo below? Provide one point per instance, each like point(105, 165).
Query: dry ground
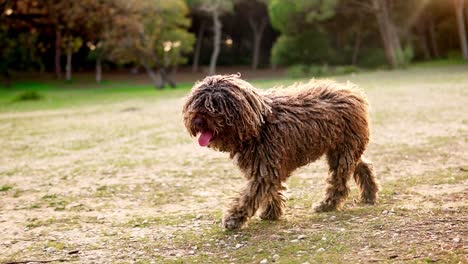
point(123, 183)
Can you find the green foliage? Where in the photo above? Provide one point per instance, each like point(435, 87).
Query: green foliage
point(311, 47)
point(308, 71)
point(303, 71)
point(373, 57)
point(5, 188)
point(301, 42)
point(454, 54)
point(347, 69)
point(19, 50)
point(405, 56)
point(28, 96)
point(161, 39)
point(293, 17)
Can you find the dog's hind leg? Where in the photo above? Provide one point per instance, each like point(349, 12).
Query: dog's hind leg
point(273, 206)
point(341, 165)
point(365, 178)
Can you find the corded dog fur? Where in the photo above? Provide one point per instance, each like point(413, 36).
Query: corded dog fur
point(271, 133)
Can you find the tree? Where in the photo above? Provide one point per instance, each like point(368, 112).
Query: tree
point(256, 12)
point(301, 41)
point(215, 8)
point(394, 20)
point(152, 34)
point(459, 6)
point(390, 39)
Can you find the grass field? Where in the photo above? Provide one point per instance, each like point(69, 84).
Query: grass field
point(111, 176)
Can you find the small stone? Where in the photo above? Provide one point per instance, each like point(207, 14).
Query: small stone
point(332, 217)
point(275, 257)
point(260, 250)
point(294, 241)
point(50, 250)
point(320, 250)
point(194, 247)
point(456, 240)
point(226, 256)
point(178, 255)
point(342, 229)
point(300, 237)
point(191, 252)
point(73, 205)
point(199, 216)
point(239, 246)
point(264, 261)
point(324, 238)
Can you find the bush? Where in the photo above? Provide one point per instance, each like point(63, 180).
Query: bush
point(406, 55)
point(372, 58)
point(308, 48)
point(28, 96)
point(307, 71)
point(454, 55)
point(346, 69)
point(297, 71)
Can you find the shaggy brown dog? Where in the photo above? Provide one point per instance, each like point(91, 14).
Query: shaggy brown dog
point(270, 134)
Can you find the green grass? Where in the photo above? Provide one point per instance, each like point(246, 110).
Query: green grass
point(5, 188)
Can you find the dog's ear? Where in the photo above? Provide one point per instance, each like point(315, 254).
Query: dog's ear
point(243, 107)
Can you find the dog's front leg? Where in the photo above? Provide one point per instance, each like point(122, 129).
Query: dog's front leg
point(246, 204)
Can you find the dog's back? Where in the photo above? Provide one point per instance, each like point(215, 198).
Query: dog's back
point(316, 117)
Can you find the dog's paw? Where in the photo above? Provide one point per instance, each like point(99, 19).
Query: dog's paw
point(232, 222)
point(324, 206)
point(368, 201)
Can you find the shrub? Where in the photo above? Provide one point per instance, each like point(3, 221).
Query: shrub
point(308, 48)
point(297, 71)
point(308, 71)
point(28, 96)
point(371, 58)
point(346, 69)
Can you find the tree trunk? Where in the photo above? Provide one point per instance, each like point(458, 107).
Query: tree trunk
point(157, 81)
point(7, 76)
point(357, 47)
point(433, 38)
point(425, 46)
point(217, 26)
point(165, 77)
point(68, 67)
point(421, 34)
point(98, 69)
point(390, 38)
point(196, 54)
point(58, 42)
point(357, 42)
point(461, 27)
point(257, 30)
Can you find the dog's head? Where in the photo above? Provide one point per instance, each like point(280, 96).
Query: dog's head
point(224, 111)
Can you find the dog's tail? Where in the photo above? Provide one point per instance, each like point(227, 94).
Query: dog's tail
point(365, 178)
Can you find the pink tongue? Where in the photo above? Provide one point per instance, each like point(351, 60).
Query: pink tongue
point(205, 138)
